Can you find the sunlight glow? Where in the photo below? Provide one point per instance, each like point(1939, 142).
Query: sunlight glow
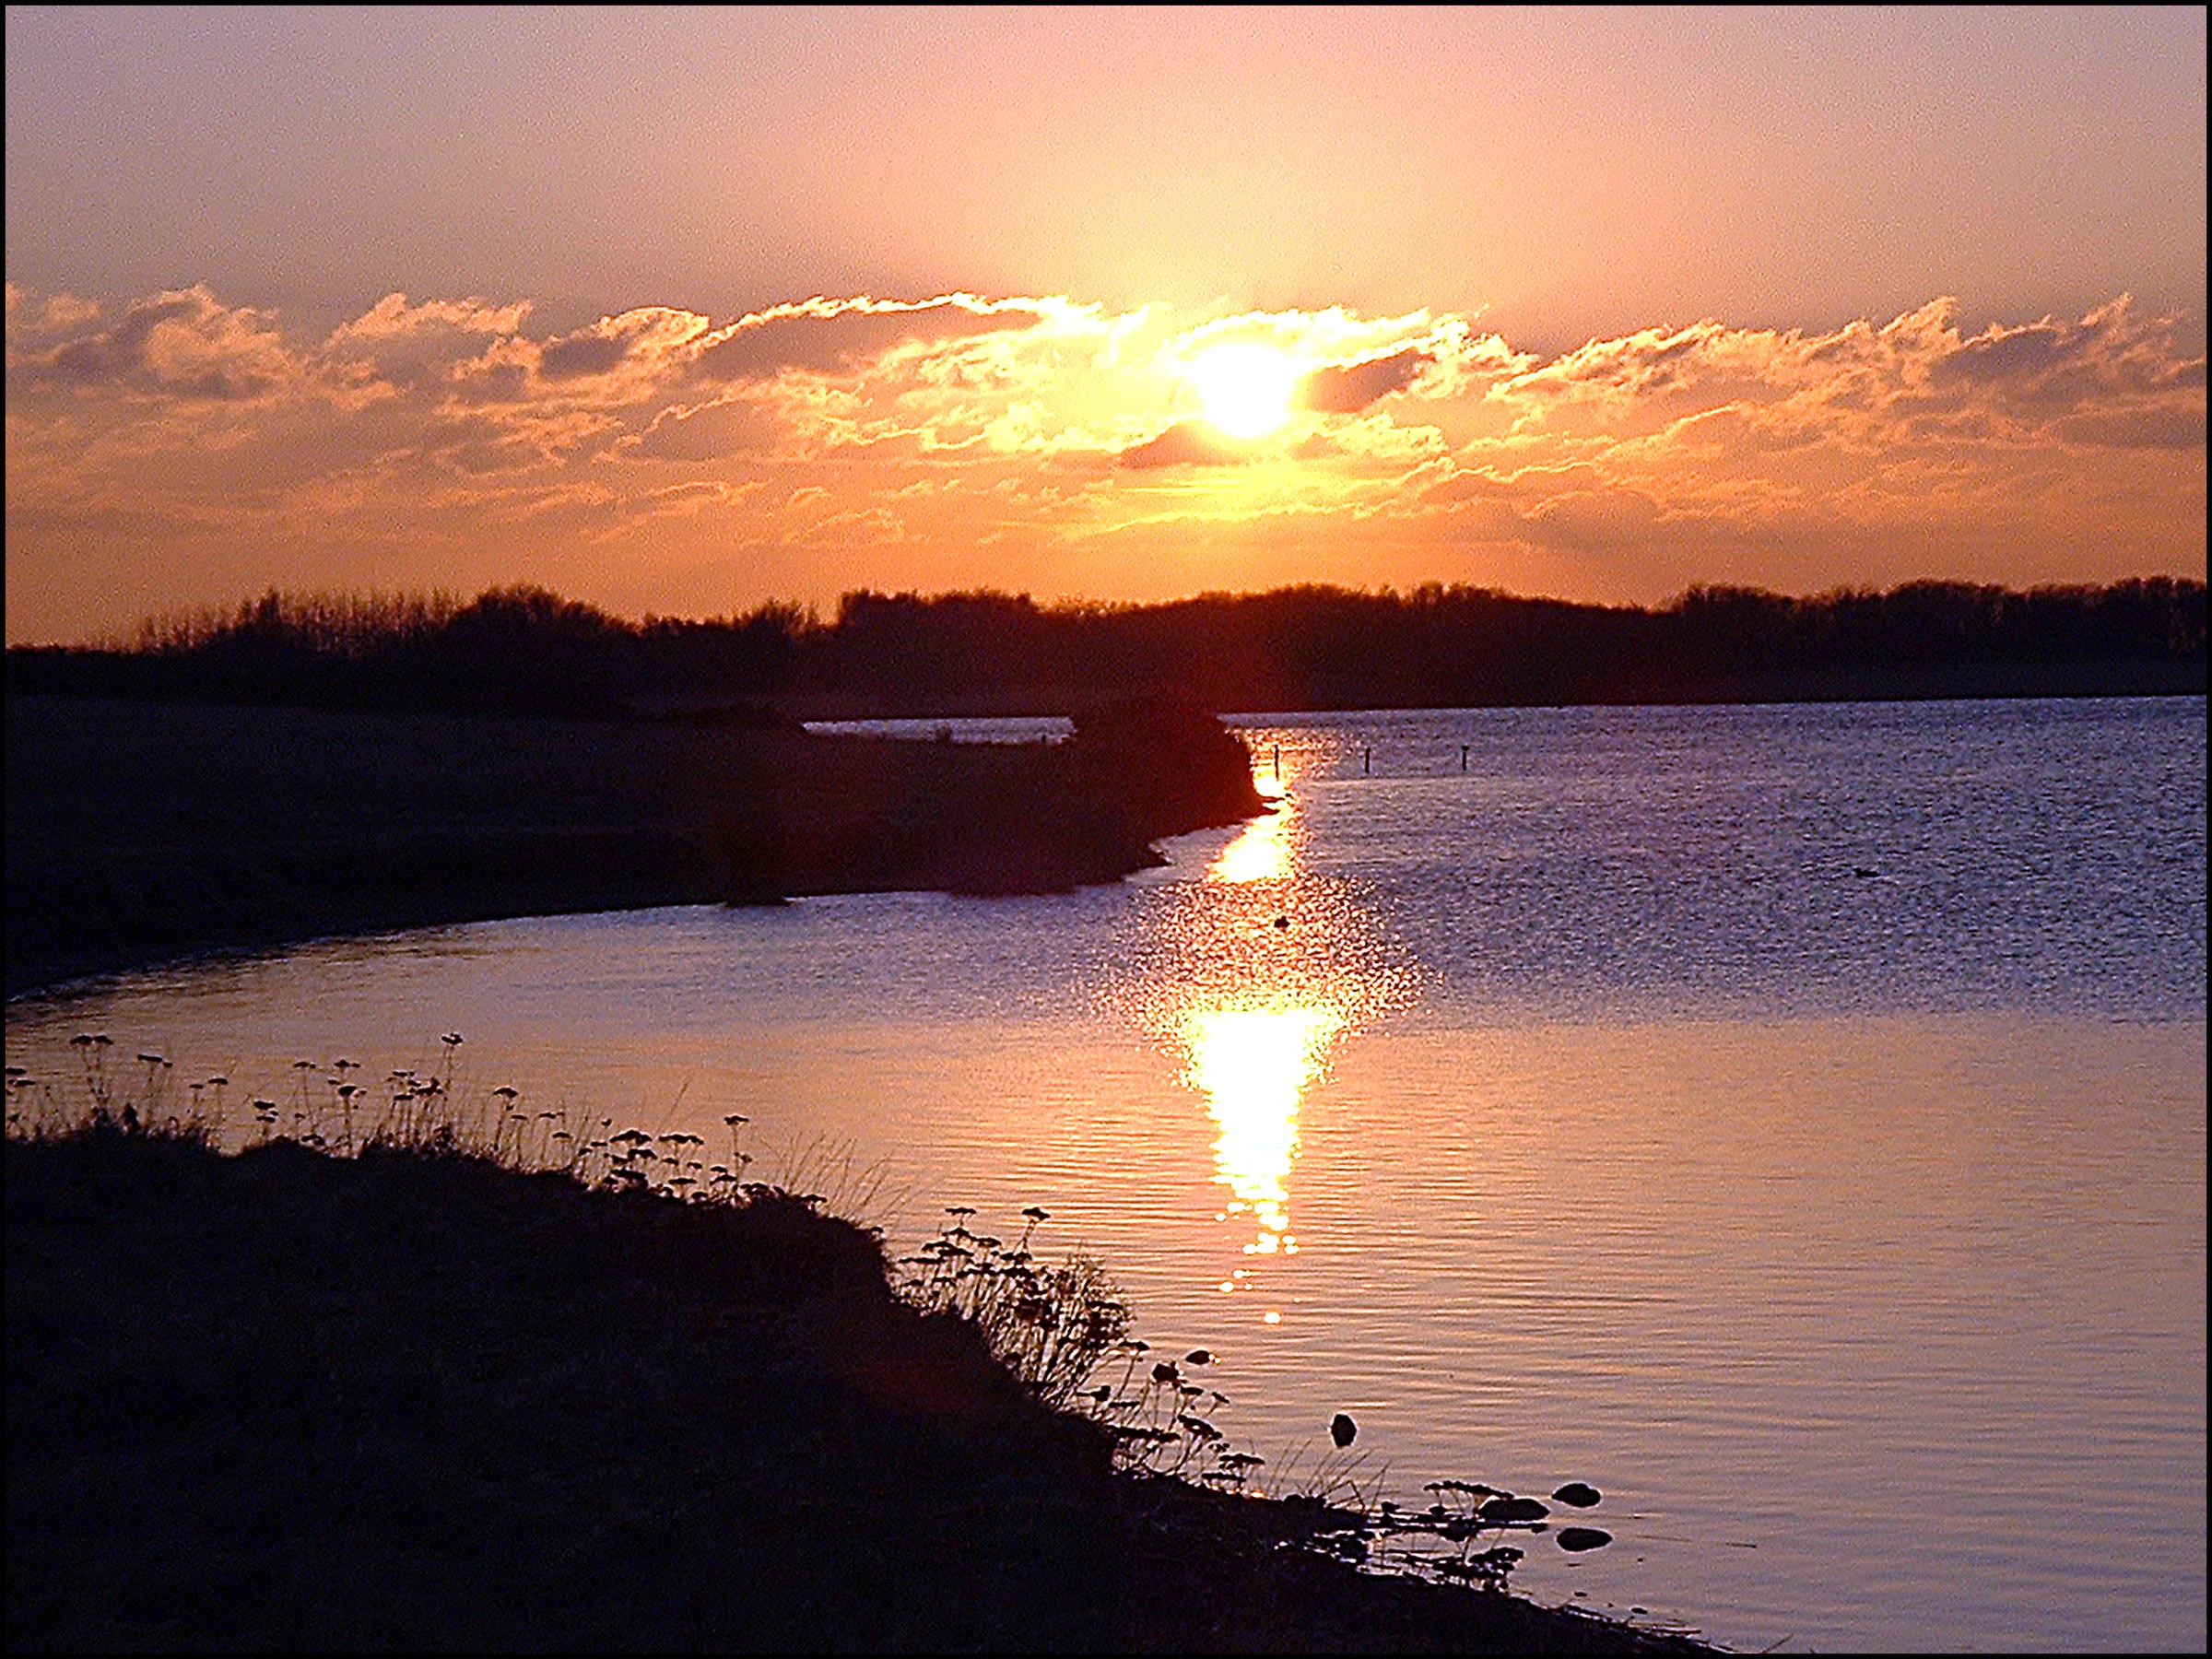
point(1269, 968)
point(1246, 388)
point(1253, 1067)
point(1261, 851)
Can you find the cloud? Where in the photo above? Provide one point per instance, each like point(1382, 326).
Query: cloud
point(485, 442)
point(1186, 443)
point(1602, 521)
point(56, 313)
point(2175, 425)
point(826, 335)
point(702, 432)
point(1529, 483)
point(2004, 354)
point(619, 358)
point(398, 346)
point(1864, 387)
point(688, 500)
point(198, 447)
point(654, 336)
point(392, 317)
point(1350, 388)
point(1649, 361)
point(584, 353)
point(184, 344)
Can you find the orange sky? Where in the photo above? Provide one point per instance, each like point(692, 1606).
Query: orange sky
point(181, 449)
point(1578, 305)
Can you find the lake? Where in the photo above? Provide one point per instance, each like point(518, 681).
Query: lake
point(1790, 1120)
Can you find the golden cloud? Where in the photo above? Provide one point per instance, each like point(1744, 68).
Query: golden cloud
point(850, 440)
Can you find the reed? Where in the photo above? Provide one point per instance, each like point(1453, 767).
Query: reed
point(1055, 1322)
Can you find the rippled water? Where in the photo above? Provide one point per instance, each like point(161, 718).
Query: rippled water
point(1791, 1120)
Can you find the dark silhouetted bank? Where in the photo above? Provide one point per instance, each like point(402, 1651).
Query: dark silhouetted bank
point(415, 1401)
point(141, 830)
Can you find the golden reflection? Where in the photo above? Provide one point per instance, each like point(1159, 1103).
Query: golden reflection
point(1259, 973)
point(1264, 849)
point(1253, 1067)
point(1261, 851)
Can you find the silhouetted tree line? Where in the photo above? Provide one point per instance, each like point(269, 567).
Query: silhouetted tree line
point(523, 648)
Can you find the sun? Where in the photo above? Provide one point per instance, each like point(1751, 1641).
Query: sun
point(1246, 388)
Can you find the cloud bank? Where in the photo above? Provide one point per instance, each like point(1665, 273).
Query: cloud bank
point(176, 449)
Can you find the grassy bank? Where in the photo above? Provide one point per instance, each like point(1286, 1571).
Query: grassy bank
point(139, 832)
point(419, 1399)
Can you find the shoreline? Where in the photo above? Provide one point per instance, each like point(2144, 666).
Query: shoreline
point(143, 835)
point(422, 1397)
point(284, 1354)
point(1900, 687)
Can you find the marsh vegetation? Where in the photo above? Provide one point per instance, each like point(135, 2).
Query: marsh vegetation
point(141, 830)
point(511, 1379)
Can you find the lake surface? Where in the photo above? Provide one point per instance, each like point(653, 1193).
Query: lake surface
point(1789, 1120)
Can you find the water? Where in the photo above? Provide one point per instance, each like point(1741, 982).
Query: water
point(997, 728)
point(1790, 1120)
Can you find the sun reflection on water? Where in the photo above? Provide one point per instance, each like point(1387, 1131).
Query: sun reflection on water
point(1267, 969)
point(1262, 852)
point(1264, 849)
point(1253, 1067)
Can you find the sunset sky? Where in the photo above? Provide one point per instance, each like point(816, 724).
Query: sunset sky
point(678, 312)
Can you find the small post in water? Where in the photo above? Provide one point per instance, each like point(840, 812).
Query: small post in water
point(1278, 763)
point(1366, 755)
point(1463, 756)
